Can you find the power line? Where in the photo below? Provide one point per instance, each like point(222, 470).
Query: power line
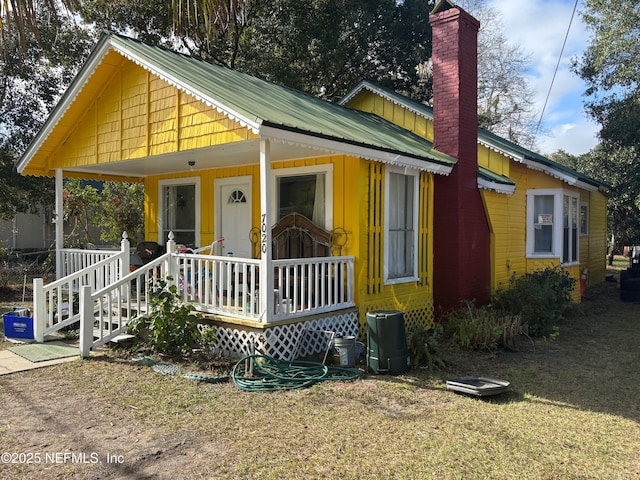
point(575, 6)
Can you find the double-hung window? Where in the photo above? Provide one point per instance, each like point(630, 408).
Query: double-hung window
point(401, 226)
point(552, 224)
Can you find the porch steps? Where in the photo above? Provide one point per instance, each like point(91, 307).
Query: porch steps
point(115, 321)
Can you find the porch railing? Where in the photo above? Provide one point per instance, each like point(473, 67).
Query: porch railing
point(75, 259)
point(106, 296)
point(217, 284)
point(57, 304)
point(312, 285)
point(108, 312)
point(230, 286)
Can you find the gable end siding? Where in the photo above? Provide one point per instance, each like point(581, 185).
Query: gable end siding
point(136, 114)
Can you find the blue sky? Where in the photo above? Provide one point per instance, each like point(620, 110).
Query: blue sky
point(539, 27)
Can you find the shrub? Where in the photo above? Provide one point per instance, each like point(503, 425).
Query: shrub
point(540, 298)
point(423, 347)
point(483, 328)
point(171, 327)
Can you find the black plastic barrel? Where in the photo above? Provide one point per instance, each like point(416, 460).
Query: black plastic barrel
point(387, 350)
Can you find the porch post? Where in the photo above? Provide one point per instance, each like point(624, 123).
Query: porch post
point(86, 321)
point(172, 266)
point(39, 310)
point(59, 221)
point(266, 266)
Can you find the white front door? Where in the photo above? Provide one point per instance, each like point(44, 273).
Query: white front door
point(233, 215)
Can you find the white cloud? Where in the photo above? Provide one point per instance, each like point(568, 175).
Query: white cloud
point(539, 28)
point(577, 138)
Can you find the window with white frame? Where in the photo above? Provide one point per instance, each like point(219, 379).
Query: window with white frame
point(401, 226)
point(584, 218)
point(305, 190)
point(179, 210)
point(552, 224)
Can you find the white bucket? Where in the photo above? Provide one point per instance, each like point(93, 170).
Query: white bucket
point(346, 347)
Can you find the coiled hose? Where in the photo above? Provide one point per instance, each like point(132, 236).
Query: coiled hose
point(263, 373)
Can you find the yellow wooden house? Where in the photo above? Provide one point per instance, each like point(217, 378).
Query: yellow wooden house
point(540, 213)
point(225, 155)
point(283, 216)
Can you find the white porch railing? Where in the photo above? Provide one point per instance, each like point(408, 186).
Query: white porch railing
point(108, 312)
point(308, 286)
point(75, 259)
point(57, 304)
point(230, 285)
point(217, 284)
point(105, 297)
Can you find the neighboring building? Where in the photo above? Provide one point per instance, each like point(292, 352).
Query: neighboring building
point(27, 232)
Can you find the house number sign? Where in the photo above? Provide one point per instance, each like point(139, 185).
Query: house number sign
point(263, 232)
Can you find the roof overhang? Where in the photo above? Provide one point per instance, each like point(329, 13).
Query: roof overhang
point(516, 153)
point(306, 140)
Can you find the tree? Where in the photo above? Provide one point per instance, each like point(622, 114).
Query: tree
point(504, 93)
point(207, 16)
point(81, 211)
point(325, 56)
point(122, 210)
point(31, 81)
point(611, 68)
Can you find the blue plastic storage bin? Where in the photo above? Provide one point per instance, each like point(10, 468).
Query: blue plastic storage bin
point(16, 326)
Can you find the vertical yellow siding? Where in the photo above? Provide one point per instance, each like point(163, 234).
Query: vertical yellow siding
point(507, 220)
point(494, 161)
point(368, 102)
point(597, 238)
point(135, 116)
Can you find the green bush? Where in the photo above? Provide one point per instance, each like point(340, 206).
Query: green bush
point(423, 347)
point(540, 298)
point(171, 327)
point(483, 328)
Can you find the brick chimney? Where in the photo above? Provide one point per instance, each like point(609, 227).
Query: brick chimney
point(462, 268)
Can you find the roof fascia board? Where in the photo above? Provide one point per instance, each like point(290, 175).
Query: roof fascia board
point(369, 153)
point(498, 187)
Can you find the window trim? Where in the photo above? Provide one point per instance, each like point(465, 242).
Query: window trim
point(558, 224)
point(416, 200)
point(326, 169)
point(585, 232)
point(173, 182)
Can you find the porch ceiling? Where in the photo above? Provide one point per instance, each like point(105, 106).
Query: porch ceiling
point(230, 154)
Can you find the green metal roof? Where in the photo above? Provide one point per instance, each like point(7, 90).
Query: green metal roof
point(257, 102)
point(484, 136)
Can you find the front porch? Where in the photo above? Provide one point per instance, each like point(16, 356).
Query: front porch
point(309, 296)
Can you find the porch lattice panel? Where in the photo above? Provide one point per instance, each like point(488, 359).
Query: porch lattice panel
point(298, 339)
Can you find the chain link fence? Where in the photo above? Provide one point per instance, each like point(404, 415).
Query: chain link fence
point(18, 269)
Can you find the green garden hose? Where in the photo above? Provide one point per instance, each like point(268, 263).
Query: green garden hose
point(262, 373)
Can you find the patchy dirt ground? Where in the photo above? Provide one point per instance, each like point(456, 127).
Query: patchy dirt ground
point(50, 429)
point(107, 418)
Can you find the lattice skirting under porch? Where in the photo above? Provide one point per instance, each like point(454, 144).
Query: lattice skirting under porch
point(287, 341)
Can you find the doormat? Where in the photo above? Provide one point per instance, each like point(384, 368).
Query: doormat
point(41, 352)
